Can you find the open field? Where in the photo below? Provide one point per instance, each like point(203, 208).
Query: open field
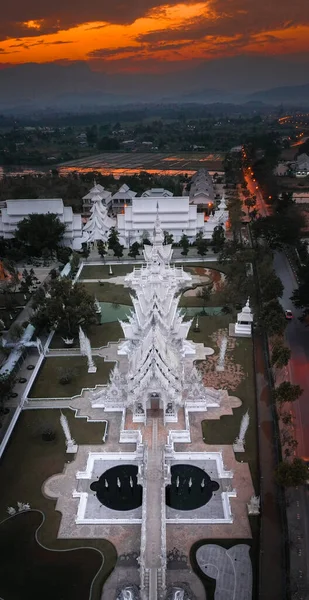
point(47, 383)
point(124, 163)
point(28, 461)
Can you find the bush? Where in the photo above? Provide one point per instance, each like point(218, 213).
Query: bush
point(66, 376)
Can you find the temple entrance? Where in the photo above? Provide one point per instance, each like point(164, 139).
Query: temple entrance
point(154, 403)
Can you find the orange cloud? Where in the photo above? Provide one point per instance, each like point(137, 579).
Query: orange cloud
point(174, 32)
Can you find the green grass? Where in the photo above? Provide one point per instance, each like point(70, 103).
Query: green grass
point(225, 430)
point(109, 292)
point(28, 462)
point(99, 336)
point(102, 271)
point(31, 579)
point(47, 383)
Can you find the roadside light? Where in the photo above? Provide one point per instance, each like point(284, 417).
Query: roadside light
point(257, 187)
point(269, 197)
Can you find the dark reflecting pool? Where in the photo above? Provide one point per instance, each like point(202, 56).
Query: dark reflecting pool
point(191, 488)
point(118, 489)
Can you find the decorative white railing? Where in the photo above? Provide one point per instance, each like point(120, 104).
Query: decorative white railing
point(163, 533)
point(143, 579)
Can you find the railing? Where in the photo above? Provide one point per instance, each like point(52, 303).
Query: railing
point(143, 579)
point(162, 585)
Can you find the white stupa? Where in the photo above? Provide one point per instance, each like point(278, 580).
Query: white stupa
point(99, 223)
point(243, 326)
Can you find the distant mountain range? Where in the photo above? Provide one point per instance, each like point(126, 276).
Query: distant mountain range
point(31, 87)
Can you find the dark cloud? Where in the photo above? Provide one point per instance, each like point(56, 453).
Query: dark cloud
point(232, 17)
point(136, 51)
point(110, 52)
point(63, 14)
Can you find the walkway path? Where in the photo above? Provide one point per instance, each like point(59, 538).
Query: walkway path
point(154, 481)
point(271, 576)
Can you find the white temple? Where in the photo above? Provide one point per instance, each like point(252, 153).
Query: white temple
point(151, 406)
point(160, 358)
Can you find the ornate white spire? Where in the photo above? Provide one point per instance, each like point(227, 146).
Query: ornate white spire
point(99, 223)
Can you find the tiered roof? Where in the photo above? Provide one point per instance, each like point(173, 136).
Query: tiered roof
point(99, 223)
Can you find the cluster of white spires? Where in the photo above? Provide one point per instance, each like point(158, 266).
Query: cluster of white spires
point(160, 358)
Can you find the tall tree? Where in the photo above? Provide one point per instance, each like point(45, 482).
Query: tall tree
point(113, 238)
point(101, 248)
point(273, 318)
point(280, 355)
point(185, 244)
point(218, 239)
point(201, 244)
point(204, 293)
point(287, 392)
point(118, 250)
point(168, 238)
point(292, 474)
point(134, 250)
point(40, 231)
point(65, 308)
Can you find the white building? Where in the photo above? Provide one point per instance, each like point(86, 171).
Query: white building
point(176, 214)
point(202, 190)
point(15, 211)
point(122, 198)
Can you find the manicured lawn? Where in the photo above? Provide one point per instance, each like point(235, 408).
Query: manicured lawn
point(226, 429)
point(26, 566)
point(27, 462)
point(102, 271)
point(109, 292)
point(47, 383)
point(99, 336)
point(216, 299)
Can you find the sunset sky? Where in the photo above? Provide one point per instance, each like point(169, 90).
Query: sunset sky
point(149, 36)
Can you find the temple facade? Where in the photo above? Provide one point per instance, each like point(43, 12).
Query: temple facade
point(160, 359)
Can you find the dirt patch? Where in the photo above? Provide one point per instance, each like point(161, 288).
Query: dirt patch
point(233, 373)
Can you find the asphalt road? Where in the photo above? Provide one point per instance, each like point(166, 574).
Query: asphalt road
point(297, 338)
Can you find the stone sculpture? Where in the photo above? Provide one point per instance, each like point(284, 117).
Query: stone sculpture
point(70, 442)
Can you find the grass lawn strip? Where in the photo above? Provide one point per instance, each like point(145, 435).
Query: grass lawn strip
point(109, 292)
point(99, 335)
point(47, 383)
point(102, 271)
point(26, 464)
